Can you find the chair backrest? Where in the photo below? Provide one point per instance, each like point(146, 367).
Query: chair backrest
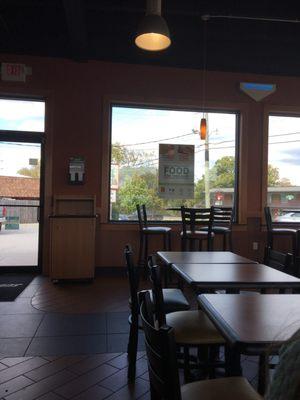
point(194, 218)
point(280, 261)
point(157, 294)
point(268, 218)
point(222, 216)
point(133, 277)
point(142, 216)
point(161, 354)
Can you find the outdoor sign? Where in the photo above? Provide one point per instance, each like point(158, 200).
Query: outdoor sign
point(114, 176)
point(113, 196)
point(176, 171)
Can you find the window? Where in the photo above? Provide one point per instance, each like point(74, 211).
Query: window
point(284, 168)
point(22, 115)
point(136, 133)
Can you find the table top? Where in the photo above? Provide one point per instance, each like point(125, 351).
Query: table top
point(203, 257)
point(238, 276)
point(246, 320)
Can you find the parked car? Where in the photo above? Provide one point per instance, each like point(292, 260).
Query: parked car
point(2, 216)
point(293, 216)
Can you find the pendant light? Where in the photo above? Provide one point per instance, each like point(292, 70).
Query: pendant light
point(153, 32)
point(203, 124)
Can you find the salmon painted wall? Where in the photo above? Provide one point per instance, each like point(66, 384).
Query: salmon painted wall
point(77, 97)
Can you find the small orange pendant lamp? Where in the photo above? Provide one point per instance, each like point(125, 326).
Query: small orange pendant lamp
point(203, 129)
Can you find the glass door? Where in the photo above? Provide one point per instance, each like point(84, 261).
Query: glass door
point(20, 174)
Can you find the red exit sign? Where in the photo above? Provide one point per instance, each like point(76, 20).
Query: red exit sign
point(13, 72)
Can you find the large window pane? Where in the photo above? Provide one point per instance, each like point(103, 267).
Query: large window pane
point(135, 137)
point(22, 115)
point(284, 168)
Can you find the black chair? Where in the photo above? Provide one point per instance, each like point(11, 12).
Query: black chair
point(221, 224)
point(193, 219)
point(192, 329)
point(173, 300)
point(286, 232)
point(280, 261)
point(163, 371)
point(146, 231)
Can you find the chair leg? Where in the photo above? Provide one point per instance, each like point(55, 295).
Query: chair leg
point(132, 349)
point(230, 241)
point(165, 241)
point(224, 242)
point(295, 250)
point(262, 374)
point(183, 244)
point(146, 254)
point(169, 241)
point(141, 249)
point(186, 364)
point(270, 240)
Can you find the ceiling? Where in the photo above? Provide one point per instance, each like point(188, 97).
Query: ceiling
point(104, 30)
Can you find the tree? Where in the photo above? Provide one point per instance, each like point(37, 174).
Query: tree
point(274, 177)
point(129, 157)
point(33, 171)
point(138, 189)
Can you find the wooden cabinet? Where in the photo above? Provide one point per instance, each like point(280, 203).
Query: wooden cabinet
point(73, 227)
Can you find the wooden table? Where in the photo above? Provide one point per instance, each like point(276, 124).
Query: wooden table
point(234, 276)
point(252, 324)
point(202, 257)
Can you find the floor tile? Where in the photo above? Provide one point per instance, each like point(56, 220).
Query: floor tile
point(93, 393)
point(72, 324)
point(82, 383)
point(21, 368)
point(67, 345)
point(131, 392)
point(119, 341)
point(19, 326)
point(14, 347)
point(117, 322)
point(92, 362)
point(50, 396)
point(19, 306)
point(42, 387)
point(14, 385)
point(51, 368)
point(14, 360)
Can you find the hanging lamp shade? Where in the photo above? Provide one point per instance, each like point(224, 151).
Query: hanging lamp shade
point(203, 129)
point(153, 32)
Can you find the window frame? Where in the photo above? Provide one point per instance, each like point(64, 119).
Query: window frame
point(189, 108)
point(280, 111)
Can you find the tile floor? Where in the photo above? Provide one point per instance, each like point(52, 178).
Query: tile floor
point(69, 342)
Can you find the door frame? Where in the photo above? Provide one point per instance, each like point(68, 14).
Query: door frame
point(30, 137)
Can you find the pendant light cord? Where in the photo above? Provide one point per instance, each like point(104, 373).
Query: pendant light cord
point(204, 63)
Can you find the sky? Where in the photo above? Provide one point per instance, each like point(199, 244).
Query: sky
point(134, 125)
point(146, 128)
point(20, 116)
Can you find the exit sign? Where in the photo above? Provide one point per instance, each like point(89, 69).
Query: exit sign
point(13, 72)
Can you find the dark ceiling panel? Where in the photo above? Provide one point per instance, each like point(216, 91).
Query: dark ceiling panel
point(105, 29)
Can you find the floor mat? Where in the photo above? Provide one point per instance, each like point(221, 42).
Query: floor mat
point(11, 285)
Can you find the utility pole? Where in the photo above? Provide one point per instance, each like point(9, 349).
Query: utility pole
point(206, 165)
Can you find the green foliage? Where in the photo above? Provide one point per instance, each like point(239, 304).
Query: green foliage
point(274, 177)
point(224, 171)
point(139, 189)
point(124, 156)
